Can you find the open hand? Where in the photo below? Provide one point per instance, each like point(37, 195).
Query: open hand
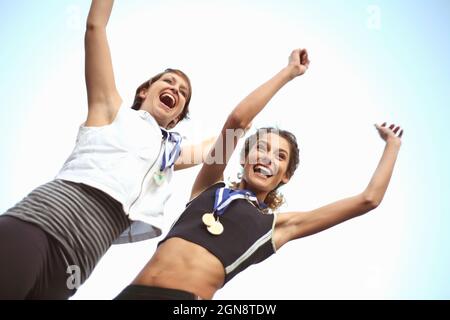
point(391, 133)
point(298, 62)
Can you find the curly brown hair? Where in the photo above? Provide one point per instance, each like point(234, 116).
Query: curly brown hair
point(138, 100)
point(274, 199)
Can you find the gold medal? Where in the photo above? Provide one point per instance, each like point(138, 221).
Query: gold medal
point(208, 219)
point(216, 228)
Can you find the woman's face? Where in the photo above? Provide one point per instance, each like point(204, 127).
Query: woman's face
point(267, 163)
point(165, 99)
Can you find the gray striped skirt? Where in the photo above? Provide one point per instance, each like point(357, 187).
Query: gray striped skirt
point(84, 220)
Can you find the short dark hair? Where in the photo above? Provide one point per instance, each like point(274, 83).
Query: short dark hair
point(138, 100)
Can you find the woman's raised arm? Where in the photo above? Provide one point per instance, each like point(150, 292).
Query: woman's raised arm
point(241, 117)
point(295, 225)
point(103, 98)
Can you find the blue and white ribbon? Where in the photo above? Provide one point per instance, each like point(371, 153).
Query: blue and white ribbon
point(225, 196)
point(172, 149)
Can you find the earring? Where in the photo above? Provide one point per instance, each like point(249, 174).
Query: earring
point(240, 174)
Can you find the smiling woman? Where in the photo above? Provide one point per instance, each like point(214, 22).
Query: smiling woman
point(225, 230)
point(175, 90)
point(120, 170)
point(286, 151)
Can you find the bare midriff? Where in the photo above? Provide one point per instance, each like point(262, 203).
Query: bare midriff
point(183, 265)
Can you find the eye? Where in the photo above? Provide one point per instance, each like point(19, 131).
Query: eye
point(281, 156)
point(168, 80)
point(261, 146)
point(183, 93)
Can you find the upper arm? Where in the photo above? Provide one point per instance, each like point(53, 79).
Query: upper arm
point(103, 98)
point(218, 156)
point(294, 225)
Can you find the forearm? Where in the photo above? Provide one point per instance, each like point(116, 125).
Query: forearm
point(99, 13)
point(377, 187)
point(248, 108)
point(193, 155)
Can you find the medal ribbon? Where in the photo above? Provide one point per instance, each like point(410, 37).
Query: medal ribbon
point(172, 149)
point(225, 196)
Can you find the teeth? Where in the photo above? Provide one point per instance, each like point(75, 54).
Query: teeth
point(265, 171)
point(168, 100)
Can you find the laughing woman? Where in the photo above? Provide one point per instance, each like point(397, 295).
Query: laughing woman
point(224, 230)
point(120, 169)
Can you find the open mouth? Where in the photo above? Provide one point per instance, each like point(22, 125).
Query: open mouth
point(262, 170)
point(168, 100)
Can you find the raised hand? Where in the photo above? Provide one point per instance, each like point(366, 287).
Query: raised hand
point(391, 133)
point(298, 62)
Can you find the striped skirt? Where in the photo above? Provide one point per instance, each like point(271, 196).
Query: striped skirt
point(84, 220)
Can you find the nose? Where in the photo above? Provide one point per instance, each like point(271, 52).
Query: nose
point(265, 159)
point(174, 89)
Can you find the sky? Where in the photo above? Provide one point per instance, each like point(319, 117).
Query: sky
point(371, 61)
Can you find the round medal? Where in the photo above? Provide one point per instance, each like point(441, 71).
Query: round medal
point(208, 219)
point(216, 228)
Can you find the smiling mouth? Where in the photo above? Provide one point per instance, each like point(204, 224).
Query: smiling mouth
point(168, 100)
point(264, 171)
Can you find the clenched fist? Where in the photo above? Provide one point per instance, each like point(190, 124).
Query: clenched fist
point(298, 62)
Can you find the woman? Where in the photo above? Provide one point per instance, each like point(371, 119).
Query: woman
point(224, 230)
point(120, 168)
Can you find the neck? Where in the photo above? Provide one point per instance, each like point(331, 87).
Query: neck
point(261, 195)
point(164, 123)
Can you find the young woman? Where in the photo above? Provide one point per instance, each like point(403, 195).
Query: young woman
point(120, 168)
point(224, 230)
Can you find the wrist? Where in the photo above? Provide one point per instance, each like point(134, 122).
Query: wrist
point(289, 72)
point(394, 141)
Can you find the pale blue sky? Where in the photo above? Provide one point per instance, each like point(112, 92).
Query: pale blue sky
point(361, 73)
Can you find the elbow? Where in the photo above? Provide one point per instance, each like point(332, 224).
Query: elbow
point(94, 25)
point(370, 201)
point(237, 121)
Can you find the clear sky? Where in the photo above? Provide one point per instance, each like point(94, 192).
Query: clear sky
point(371, 61)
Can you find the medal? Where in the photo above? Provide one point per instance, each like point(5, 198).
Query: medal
point(159, 177)
point(208, 219)
point(216, 228)
point(223, 198)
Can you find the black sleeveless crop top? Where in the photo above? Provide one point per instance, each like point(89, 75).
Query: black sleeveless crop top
point(247, 235)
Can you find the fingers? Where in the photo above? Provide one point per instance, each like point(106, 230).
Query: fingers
point(304, 60)
point(300, 56)
point(395, 129)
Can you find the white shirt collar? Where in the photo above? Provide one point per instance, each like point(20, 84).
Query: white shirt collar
point(145, 115)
